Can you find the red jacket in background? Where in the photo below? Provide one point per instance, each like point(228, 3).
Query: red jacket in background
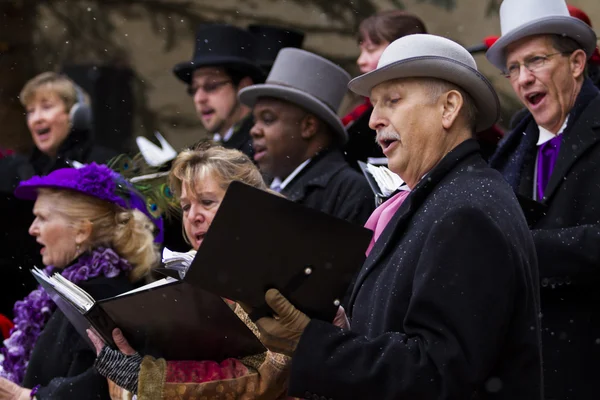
point(5, 326)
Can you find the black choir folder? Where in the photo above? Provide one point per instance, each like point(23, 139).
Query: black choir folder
point(256, 241)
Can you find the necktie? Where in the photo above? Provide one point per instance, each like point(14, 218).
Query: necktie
point(547, 155)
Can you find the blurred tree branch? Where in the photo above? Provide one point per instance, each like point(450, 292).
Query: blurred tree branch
point(88, 31)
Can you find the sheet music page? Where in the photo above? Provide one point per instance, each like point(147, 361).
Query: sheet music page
point(387, 181)
point(178, 261)
point(151, 285)
point(73, 293)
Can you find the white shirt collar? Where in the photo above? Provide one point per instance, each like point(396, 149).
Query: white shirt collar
point(217, 136)
point(228, 134)
point(277, 183)
point(546, 135)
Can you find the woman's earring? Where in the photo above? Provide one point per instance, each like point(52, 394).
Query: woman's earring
point(78, 248)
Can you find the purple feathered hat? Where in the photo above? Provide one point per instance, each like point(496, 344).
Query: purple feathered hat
point(93, 180)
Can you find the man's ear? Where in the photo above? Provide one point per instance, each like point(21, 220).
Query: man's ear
point(245, 82)
point(84, 232)
point(309, 126)
point(452, 103)
point(577, 62)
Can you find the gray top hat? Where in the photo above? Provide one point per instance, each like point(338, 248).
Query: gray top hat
point(307, 80)
point(430, 56)
point(522, 18)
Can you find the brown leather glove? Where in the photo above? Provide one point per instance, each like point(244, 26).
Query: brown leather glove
point(282, 333)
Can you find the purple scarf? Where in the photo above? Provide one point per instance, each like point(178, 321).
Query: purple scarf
point(33, 312)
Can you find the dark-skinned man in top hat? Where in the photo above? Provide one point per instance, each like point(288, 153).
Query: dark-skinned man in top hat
point(297, 135)
point(223, 63)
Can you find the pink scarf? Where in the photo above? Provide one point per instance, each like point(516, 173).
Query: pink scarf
point(382, 216)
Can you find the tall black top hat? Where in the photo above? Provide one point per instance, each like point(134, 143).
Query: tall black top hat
point(271, 39)
point(223, 46)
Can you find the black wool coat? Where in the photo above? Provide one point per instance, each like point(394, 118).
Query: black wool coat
point(330, 185)
point(62, 362)
point(446, 305)
point(567, 239)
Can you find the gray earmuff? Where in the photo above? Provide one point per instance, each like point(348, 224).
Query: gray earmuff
point(81, 113)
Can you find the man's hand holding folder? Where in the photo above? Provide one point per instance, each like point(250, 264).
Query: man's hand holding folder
point(281, 333)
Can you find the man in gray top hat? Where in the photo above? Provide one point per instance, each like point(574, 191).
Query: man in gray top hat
point(297, 135)
point(551, 159)
point(446, 305)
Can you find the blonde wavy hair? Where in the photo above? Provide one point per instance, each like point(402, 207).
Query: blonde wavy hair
point(225, 165)
point(128, 232)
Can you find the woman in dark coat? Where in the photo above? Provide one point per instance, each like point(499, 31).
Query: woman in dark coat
point(59, 119)
point(95, 231)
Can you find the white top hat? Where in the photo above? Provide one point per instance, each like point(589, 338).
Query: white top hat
point(430, 56)
point(522, 18)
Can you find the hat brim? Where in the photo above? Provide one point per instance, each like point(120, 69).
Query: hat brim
point(251, 94)
point(29, 190)
point(557, 25)
point(185, 70)
point(26, 192)
point(463, 76)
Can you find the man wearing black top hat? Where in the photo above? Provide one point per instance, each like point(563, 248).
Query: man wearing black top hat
point(223, 63)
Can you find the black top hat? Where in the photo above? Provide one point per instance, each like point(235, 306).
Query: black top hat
point(224, 46)
point(271, 39)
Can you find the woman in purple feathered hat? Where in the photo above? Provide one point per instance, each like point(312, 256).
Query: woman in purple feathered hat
point(94, 229)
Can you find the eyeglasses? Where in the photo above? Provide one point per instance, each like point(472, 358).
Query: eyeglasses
point(209, 87)
point(532, 64)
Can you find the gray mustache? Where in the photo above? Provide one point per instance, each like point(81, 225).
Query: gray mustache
point(386, 135)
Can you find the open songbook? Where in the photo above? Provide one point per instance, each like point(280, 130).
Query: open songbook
point(167, 318)
point(78, 297)
point(310, 256)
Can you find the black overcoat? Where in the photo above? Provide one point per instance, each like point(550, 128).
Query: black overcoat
point(446, 305)
point(330, 185)
point(567, 239)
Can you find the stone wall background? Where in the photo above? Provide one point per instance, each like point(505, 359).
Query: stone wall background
point(150, 36)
